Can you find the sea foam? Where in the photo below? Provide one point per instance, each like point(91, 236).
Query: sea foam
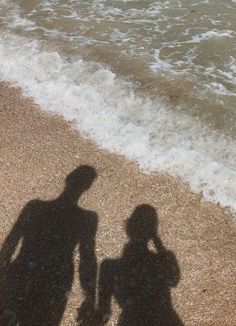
point(106, 109)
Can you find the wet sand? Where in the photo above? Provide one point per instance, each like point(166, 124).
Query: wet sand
point(38, 151)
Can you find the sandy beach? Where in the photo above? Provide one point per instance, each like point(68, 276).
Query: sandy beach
point(37, 153)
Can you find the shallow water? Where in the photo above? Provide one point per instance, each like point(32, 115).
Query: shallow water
point(154, 81)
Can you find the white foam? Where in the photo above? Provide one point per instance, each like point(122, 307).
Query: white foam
point(210, 34)
point(218, 88)
point(107, 110)
point(160, 64)
point(18, 21)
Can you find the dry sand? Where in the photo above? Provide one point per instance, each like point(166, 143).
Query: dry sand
point(38, 151)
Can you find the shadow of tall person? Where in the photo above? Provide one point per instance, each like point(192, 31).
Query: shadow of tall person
point(36, 283)
point(141, 279)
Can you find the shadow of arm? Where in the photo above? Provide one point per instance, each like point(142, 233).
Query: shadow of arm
point(88, 269)
point(10, 244)
point(105, 290)
point(174, 270)
point(170, 264)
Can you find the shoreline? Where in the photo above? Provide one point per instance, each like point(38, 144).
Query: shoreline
point(38, 150)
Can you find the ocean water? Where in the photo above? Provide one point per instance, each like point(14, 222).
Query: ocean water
point(152, 80)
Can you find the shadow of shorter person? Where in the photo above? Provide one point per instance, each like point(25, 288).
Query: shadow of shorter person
point(35, 284)
point(141, 279)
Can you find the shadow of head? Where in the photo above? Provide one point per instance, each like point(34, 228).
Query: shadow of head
point(142, 224)
point(78, 181)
